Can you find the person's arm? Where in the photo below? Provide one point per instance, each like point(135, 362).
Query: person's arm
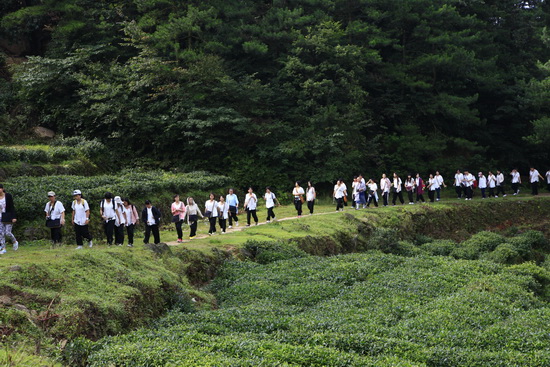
point(72, 217)
point(87, 216)
point(173, 209)
point(199, 212)
point(46, 211)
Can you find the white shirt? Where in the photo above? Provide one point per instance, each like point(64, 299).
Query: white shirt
point(459, 177)
point(482, 182)
point(310, 193)
point(129, 214)
point(122, 220)
point(385, 184)
point(533, 176)
point(297, 192)
point(397, 184)
point(58, 209)
point(548, 176)
point(433, 184)
point(500, 179)
point(2, 206)
point(269, 200)
point(439, 180)
point(251, 201)
point(109, 209)
point(492, 181)
point(354, 187)
point(339, 191)
point(223, 210)
point(409, 184)
point(373, 186)
point(468, 180)
point(211, 206)
point(515, 177)
point(150, 217)
point(80, 212)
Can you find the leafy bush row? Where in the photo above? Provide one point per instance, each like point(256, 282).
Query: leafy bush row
point(353, 310)
point(56, 154)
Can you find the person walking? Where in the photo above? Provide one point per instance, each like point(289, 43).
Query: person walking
point(459, 177)
point(132, 219)
point(440, 183)
point(372, 195)
point(270, 200)
point(8, 218)
point(491, 183)
point(311, 195)
point(151, 218)
point(468, 184)
point(178, 215)
point(409, 187)
point(223, 213)
point(211, 212)
point(192, 212)
point(516, 181)
point(419, 183)
point(548, 180)
point(385, 186)
point(107, 211)
point(500, 184)
point(55, 217)
point(250, 205)
point(482, 184)
point(298, 193)
point(397, 187)
point(81, 219)
point(120, 221)
point(433, 184)
point(233, 202)
point(362, 191)
point(534, 176)
point(339, 192)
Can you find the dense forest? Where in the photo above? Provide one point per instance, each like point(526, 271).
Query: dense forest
point(271, 91)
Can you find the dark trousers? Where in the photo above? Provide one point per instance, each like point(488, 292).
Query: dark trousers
point(310, 206)
point(130, 233)
point(253, 214)
point(458, 190)
point(515, 187)
point(212, 221)
point(340, 203)
point(223, 224)
point(233, 215)
point(56, 235)
point(362, 197)
point(193, 225)
point(410, 194)
point(119, 234)
point(431, 195)
point(534, 188)
point(385, 195)
point(373, 199)
point(491, 192)
point(270, 213)
point(469, 192)
point(109, 228)
point(178, 229)
point(80, 233)
point(420, 197)
point(438, 192)
point(156, 234)
point(298, 205)
point(397, 195)
point(500, 189)
point(483, 192)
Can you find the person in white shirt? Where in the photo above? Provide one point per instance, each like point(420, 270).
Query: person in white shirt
point(192, 213)
point(120, 221)
point(311, 195)
point(81, 219)
point(223, 213)
point(354, 192)
point(396, 188)
point(298, 193)
point(270, 200)
point(107, 210)
point(500, 184)
point(491, 183)
point(385, 186)
point(373, 196)
point(339, 192)
point(534, 176)
point(362, 189)
point(250, 205)
point(409, 187)
point(433, 184)
point(132, 219)
point(440, 183)
point(468, 184)
point(55, 215)
point(211, 212)
point(233, 202)
point(548, 180)
point(482, 184)
point(516, 181)
point(459, 177)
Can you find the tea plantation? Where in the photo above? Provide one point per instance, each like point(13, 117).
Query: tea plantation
point(370, 309)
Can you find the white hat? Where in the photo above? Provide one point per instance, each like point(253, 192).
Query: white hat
point(77, 192)
point(118, 200)
point(51, 193)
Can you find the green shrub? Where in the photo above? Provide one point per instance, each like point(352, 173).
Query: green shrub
point(265, 252)
point(485, 241)
point(383, 239)
point(439, 247)
point(407, 248)
point(505, 253)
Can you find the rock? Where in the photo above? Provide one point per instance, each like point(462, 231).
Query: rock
point(19, 307)
point(5, 300)
point(159, 249)
point(43, 132)
point(15, 268)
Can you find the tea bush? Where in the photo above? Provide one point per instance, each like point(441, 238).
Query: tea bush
point(353, 310)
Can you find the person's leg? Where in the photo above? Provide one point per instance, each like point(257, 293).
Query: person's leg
point(53, 235)
point(9, 234)
point(458, 191)
point(394, 197)
point(78, 232)
point(222, 223)
point(483, 193)
point(431, 195)
point(422, 198)
point(438, 192)
point(232, 209)
point(109, 230)
point(299, 207)
point(248, 215)
point(255, 216)
point(401, 197)
point(385, 197)
point(310, 205)
point(179, 230)
point(147, 234)
point(212, 221)
point(119, 235)
point(193, 226)
point(130, 233)
point(156, 233)
point(410, 194)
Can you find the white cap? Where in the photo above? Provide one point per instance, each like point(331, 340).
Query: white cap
point(118, 200)
point(77, 192)
point(51, 193)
